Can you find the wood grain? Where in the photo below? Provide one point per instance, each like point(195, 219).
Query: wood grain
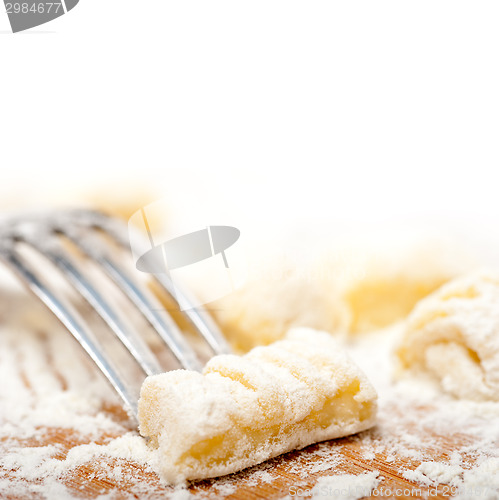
point(296, 472)
point(406, 435)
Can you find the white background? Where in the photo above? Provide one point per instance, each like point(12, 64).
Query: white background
point(353, 110)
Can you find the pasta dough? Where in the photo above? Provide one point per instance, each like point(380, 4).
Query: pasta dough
point(348, 289)
point(262, 311)
point(389, 277)
point(453, 335)
point(243, 410)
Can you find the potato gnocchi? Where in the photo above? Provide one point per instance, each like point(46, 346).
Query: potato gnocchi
point(243, 410)
point(453, 335)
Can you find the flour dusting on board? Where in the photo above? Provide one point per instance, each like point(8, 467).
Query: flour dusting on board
point(59, 421)
point(346, 486)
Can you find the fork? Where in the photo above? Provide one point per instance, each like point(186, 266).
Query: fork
point(48, 235)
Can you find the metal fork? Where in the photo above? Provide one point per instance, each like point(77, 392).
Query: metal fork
point(45, 233)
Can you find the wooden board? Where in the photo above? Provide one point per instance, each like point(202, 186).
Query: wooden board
point(292, 474)
point(407, 434)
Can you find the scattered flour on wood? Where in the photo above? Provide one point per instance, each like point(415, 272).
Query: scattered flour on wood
point(346, 486)
point(53, 386)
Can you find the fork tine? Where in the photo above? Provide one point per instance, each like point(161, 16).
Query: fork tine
point(147, 304)
point(150, 308)
point(198, 317)
point(73, 322)
point(133, 342)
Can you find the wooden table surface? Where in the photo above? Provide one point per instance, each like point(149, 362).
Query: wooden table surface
point(408, 433)
point(292, 474)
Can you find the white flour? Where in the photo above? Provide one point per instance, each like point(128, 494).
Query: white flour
point(346, 486)
point(48, 384)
